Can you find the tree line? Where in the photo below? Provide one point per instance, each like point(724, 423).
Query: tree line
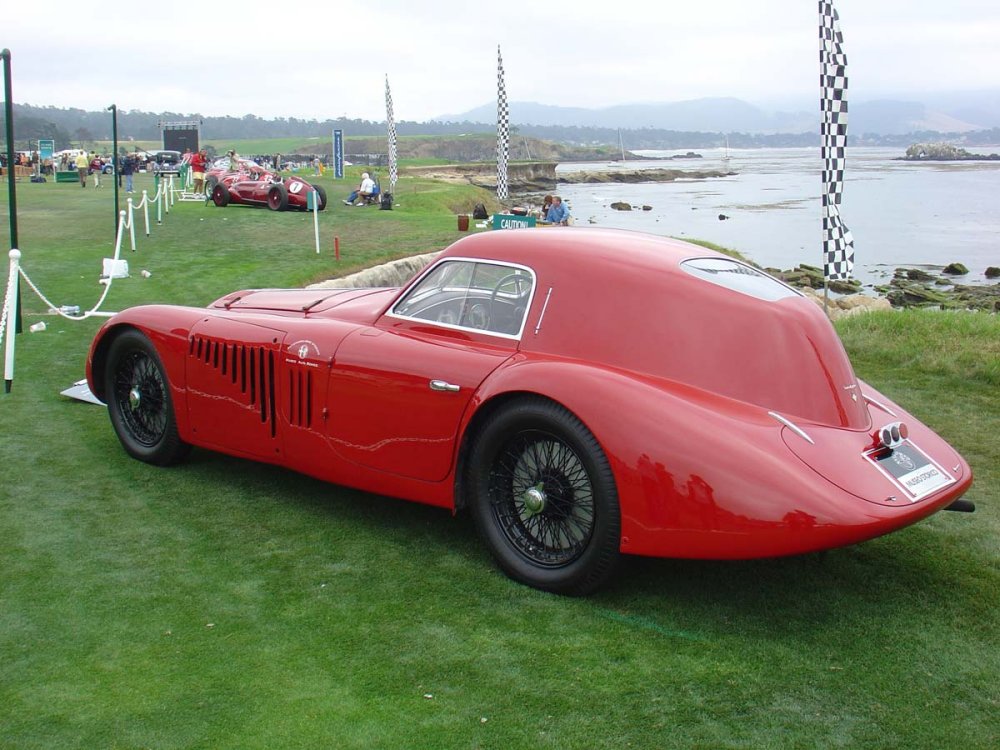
point(74, 127)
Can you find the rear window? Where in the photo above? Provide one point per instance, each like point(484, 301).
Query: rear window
point(739, 277)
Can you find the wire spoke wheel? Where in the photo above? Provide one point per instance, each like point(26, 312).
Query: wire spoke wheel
point(140, 395)
point(139, 401)
point(543, 499)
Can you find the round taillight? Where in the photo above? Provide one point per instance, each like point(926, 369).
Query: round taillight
point(892, 435)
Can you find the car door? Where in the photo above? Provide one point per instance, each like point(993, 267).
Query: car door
point(398, 390)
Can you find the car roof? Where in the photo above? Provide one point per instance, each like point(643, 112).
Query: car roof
point(583, 249)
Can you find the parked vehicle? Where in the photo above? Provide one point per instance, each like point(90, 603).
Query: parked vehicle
point(252, 184)
point(583, 393)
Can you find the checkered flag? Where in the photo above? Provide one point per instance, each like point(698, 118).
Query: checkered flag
point(838, 244)
point(391, 128)
point(503, 131)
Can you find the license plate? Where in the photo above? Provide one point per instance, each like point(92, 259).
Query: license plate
point(911, 470)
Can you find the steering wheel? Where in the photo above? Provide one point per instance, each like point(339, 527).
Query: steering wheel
point(477, 316)
point(521, 285)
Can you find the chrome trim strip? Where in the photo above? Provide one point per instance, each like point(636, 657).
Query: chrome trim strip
point(545, 306)
point(883, 407)
point(792, 426)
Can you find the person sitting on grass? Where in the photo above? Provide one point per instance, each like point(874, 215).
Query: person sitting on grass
point(363, 192)
point(558, 213)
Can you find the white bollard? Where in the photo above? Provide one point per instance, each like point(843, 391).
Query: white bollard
point(131, 224)
point(172, 196)
point(9, 313)
point(145, 210)
point(315, 197)
point(159, 205)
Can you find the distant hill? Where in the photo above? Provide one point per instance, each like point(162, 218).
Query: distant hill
point(950, 112)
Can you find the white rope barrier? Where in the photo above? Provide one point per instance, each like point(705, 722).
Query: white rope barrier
point(126, 220)
point(107, 282)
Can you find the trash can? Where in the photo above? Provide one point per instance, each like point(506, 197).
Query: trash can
point(463, 222)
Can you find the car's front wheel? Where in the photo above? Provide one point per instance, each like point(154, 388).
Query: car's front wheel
point(220, 195)
point(139, 403)
point(543, 497)
point(277, 198)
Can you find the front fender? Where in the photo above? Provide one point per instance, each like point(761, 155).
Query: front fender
point(167, 327)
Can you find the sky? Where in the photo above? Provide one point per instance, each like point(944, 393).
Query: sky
point(326, 60)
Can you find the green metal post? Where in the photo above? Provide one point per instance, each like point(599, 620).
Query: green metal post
point(11, 182)
point(114, 160)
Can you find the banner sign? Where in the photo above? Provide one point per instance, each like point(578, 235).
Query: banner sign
point(338, 154)
point(509, 221)
point(46, 148)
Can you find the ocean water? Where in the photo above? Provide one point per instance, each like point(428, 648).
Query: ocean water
point(901, 213)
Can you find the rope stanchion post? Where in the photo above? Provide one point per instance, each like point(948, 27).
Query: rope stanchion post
point(131, 224)
point(6, 324)
point(145, 210)
point(159, 204)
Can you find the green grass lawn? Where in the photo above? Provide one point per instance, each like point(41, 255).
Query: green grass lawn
point(226, 604)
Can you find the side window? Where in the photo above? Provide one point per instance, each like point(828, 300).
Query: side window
point(474, 295)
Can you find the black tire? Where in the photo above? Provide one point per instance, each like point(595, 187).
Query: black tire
point(138, 396)
point(277, 198)
point(321, 193)
point(210, 182)
point(543, 497)
point(220, 195)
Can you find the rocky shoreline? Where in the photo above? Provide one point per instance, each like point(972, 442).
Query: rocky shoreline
point(909, 287)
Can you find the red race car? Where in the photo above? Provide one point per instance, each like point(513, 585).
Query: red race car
point(253, 184)
point(582, 392)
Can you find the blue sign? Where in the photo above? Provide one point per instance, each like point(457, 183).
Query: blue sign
point(338, 154)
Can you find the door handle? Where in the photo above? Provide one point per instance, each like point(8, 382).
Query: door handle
point(441, 385)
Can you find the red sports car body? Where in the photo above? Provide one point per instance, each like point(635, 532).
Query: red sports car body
point(583, 392)
point(255, 185)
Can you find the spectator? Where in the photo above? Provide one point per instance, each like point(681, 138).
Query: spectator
point(128, 170)
point(198, 162)
point(557, 213)
point(96, 166)
point(82, 165)
point(363, 192)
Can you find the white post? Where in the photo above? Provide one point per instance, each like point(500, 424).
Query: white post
point(315, 196)
point(131, 224)
point(159, 204)
point(172, 196)
point(8, 317)
point(145, 210)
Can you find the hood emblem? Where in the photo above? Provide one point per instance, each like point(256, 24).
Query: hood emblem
point(303, 351)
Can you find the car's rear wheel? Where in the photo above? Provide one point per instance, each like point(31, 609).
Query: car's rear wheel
point(220, 195)
point(543, 497)
point(321, 194)
point(277, 198)
point(210, 182)
point(139, 403)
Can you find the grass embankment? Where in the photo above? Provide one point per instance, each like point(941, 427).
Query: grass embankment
point(227, 604)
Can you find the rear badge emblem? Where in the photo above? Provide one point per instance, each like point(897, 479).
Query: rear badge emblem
point(901, 459)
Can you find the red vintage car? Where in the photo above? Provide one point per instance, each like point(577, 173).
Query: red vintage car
point(583, 393)
point(253, 184)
